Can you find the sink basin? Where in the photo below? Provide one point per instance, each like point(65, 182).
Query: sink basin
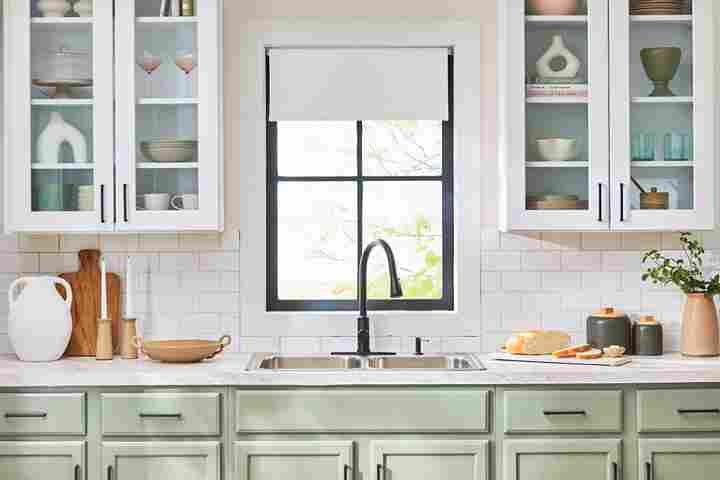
point(430, 362)
point(276, 362)
point(457, 362)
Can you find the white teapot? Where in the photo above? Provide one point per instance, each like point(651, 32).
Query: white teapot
point(40, 319)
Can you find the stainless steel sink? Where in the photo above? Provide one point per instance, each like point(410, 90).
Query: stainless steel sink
point(430, 362)
point(456, 362)
point(276, 362)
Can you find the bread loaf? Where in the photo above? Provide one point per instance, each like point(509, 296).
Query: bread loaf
point(537, 342)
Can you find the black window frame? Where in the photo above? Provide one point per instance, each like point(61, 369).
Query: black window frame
point(446, 303)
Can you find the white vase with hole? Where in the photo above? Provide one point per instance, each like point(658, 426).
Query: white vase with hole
point(84, 8)
point(54, 8)
point(40, 320)
point(558, 50)
point(57, 132)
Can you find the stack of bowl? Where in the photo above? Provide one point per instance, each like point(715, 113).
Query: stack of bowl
point(659, 7)
point(169, 150)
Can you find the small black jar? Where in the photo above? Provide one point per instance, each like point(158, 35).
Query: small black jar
point(648, 337)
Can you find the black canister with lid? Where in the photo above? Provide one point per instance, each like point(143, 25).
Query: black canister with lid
point(607, 327)
point(648, 337)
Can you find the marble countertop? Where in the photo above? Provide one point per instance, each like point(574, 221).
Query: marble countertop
point(229, 370)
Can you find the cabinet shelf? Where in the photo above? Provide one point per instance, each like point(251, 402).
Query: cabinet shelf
point(63, 166)
point(167, 166)
point(62, 102)
point(556, 99)
point(166, 20)
point(556, 19)
point(663, 164)
point(663, 19)
point(62, 20)
point(663, 100)
point(168, 101)
point(569, 164)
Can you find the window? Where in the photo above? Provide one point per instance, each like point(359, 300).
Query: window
point(333, 186)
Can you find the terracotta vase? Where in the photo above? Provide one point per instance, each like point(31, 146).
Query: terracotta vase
point(553, 7)
point(700, 337)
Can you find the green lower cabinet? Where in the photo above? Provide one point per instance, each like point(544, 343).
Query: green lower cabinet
point(432, 459)
point(160, 460)
point(42, 460)
point(544, 459)
point(677, 459)
point(293, 460)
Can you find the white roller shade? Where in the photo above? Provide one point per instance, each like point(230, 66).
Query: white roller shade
point(359, 84)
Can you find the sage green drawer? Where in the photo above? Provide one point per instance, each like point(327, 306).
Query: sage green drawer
point(563, 411)
point(42, 414)
point(362, 410)
point(141, 414)
point(678, 410)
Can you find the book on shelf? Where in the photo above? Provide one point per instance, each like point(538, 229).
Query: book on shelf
point(557, 90)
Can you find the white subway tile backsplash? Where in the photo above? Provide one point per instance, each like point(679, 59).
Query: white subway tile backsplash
point(299, 345)
point(218, 303)
point(622, 261)
point(199, 241)
point(490, 281)
point(54, 263)
point(8, 243)
point(605, 281)
point(160, 242)
point(641, 241)
point(561, 241)
point(501, 262)
point(19, 263)
point(520, 241)
point(39, 243)
point(581, 301)
point(219, 262)
point(75, 243)
point(119, 243)
point(582, 261)
point(560, 281)
point(177, 262)
point(490, 240)
point(601, 241)
point(520, 281)
point(542, 261)
point(200, 281)
point(258, 344)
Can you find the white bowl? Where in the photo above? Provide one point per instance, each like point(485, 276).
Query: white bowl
point(166, 153)
point(557, 149)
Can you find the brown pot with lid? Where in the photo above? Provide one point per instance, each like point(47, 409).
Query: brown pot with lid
point(609, 326)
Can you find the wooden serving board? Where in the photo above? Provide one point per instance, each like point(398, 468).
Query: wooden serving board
point(603, 362)
point(86, 304)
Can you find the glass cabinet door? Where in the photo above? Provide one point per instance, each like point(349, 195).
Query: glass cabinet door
point(168, 117)
point(555, 118)
point(662, 145)
point(59, 115)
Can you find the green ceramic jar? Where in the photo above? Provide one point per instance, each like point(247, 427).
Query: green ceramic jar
point(609, 326)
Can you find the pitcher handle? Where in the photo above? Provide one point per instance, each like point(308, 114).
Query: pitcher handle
point(68, 290)
point(224, 341)
point(12, 298)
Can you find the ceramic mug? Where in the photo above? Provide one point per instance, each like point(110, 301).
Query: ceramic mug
point(50, 198)
point(187, 202)
point(86, 198)
point(157, 201)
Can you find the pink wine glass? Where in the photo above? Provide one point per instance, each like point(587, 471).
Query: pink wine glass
point(186, 62)
point(149, 63)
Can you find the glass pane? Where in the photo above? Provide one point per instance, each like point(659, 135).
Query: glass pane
point(408, 215)
point(661, 59)
point(164, 8)
point(61, 60)
point(402, 148)
point(167, 59)
point(317, 149)
point(78, 8)
point(317, 240)
point(167, 157)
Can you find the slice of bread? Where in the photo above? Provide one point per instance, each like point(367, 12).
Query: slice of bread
point(537, 342)
point(589, 355)
point(570, 352)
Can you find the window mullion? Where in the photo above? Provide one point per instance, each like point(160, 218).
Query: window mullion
point(360, 193)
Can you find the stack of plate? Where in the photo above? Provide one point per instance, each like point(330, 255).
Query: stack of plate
point(169, 150)
point(659, 7)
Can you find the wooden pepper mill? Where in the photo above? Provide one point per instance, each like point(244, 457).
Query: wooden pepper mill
point(128, 331)
point(104, 348)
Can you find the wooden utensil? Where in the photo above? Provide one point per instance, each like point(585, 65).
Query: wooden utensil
point(86, 307)
point(181, 351)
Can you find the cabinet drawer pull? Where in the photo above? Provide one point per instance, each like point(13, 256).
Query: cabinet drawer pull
point(615, 470)
point(125, 202)
point(550, 413)
point(176, 416)
point(600, 203)
point(109, 472)
point(648, 471)
point(622, 202)
point(708, 411)
point(346, 472)
point(379, 472)
point(77, 472)
point(102, 203)
point(40, 415)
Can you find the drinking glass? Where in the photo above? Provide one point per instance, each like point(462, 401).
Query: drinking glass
point(149, 63)
point(643, 147)
point(187, 62)
point(678, 146)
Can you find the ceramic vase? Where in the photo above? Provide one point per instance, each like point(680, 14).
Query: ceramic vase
point(53, 8)
point(558, 50)
point(57, 132)
point(661, 65)
point(553, 7)
point(83, 8)
point(40, 320)
point(700, 336)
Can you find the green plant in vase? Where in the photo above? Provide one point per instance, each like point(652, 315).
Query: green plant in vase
point(700, 335)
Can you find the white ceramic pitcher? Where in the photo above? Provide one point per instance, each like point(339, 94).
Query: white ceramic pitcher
point(40, 320)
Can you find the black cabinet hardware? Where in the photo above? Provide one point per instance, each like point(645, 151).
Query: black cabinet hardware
point(648, 471)
point(26, 415)
point(125, 202)
point(176, 416)
point(379, 472)
point(708, 411)
point(551, 413)
point(102, 203)
point(600, 203)
point(346, 472)
point(615, 470)
point(622, 202)
point(77, 472)
point(109, 472)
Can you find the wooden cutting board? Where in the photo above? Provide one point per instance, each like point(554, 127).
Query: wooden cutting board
point(603, 362)
point(86, 304)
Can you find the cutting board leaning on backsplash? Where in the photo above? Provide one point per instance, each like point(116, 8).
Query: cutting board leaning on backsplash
point(86, 304)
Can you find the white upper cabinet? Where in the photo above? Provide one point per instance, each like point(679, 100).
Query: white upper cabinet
point(113, 118)
point(599, 128)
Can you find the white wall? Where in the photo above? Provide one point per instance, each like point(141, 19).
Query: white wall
point(190, 283)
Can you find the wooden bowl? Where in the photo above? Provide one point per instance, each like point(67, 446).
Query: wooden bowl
point(181, 351)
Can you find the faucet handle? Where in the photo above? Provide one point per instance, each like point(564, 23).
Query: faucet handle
point(418, 345)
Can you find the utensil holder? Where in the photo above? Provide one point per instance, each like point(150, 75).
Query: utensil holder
point(128, 331)
point(104, 349)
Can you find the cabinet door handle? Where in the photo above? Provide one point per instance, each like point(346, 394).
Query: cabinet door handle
point(102, 203)
point(615, 470)
point(77, 472)
point(125, 202)
point(379, 472)
point(600, 203)
point(109, 472)
point(40, 415)
point(648, 471)
point(622, 202)
point(551, 413)
point(176, 416)
point(709, 411)
point(346, 472)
